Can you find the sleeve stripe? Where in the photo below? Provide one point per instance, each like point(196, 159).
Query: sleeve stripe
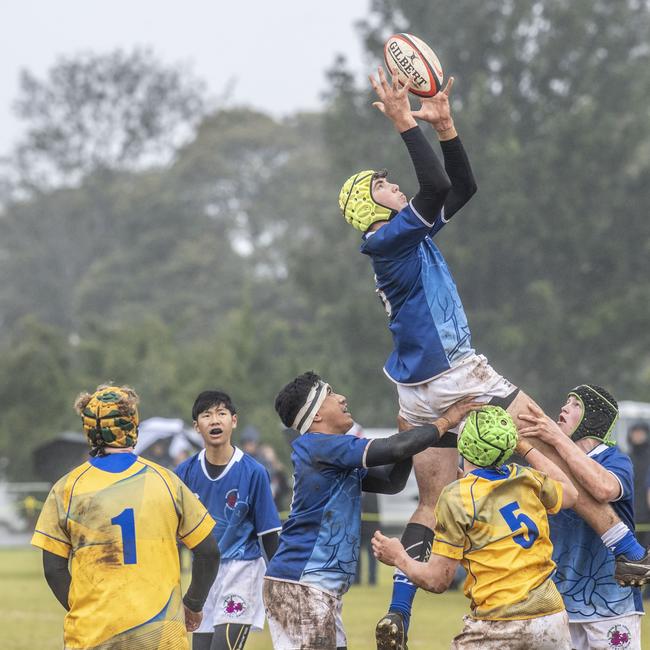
point(622, 492)
point(56, 539)
point(442, 215)
point(270, 530)
point(365, 453)
point(195, 527)
point(443, 541)
point(420, 217)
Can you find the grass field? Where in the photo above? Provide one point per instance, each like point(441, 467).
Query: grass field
point(30, 617)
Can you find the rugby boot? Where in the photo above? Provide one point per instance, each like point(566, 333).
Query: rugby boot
point(632, 573)
point(390, 633)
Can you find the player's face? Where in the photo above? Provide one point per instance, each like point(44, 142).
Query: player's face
point(388, 194)
point(334, 412)
point(216, 425)
point(570, 415)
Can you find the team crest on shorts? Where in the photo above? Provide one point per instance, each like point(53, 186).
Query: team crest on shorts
point(619, 637)
point(234, 605)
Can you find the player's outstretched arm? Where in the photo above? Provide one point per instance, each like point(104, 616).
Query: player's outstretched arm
point(57, 576)
point(205, 565)
point(436, 575)
point(436, 111)
point(593, 477)
point(399, 447)
point(541, 463)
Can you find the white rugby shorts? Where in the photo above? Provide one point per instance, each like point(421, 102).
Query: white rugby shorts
point(423, 403)
point(235, 596)
point(302, 617)
point(621, 633)
point(549, 632)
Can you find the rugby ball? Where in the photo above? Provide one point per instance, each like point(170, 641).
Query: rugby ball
point(415, 62)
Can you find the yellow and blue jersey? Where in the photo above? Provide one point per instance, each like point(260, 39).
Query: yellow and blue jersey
point(495, 521)
point(118, 519)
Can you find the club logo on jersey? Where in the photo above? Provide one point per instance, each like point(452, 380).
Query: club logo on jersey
point(619, 637)
point(234, 606)
point(232, 496)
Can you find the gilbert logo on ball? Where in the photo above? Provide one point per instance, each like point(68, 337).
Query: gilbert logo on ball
point(415, 62)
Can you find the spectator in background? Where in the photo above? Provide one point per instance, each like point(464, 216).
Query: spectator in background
point(638, 440)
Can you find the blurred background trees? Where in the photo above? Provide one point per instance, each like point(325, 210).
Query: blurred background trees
point(148, 239)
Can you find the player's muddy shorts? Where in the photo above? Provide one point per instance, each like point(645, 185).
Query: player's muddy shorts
point(423, 403)
point(301, 617)
point(235, 596)
point(541, 633)
point(622, 633)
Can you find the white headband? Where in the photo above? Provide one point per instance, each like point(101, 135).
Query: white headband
point(307, 413)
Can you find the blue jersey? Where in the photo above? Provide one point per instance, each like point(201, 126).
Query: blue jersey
point(426, 317)
point(319, 542)
point(239, 500)
point(585, 566)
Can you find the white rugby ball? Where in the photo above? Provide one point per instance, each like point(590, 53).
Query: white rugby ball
point(414, 62)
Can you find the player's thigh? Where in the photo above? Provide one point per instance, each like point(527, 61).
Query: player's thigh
point(434, 468)
point(519, 406)
point(299, 617)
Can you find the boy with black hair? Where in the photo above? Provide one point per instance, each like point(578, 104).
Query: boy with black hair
point(319, 544)
point(235, 489)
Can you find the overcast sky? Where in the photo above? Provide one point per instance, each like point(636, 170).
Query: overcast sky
point(276, 52)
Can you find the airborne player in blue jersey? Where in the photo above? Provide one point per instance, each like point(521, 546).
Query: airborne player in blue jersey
point(432, 363)
point(235, 489)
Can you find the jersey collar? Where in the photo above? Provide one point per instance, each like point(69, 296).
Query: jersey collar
point(236, 457)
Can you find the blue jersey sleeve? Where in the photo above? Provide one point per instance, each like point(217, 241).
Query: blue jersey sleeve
point(345, 452)
point(402, 234)
point(265, 514)
point(621, 466)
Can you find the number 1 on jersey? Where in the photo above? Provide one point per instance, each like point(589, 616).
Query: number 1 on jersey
point(126, 521)
point(516, 521)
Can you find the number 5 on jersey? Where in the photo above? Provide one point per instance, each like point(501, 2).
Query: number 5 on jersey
point(516, 521)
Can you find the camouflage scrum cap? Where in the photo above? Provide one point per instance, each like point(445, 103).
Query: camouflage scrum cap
point(599, 414)
point(110, 418)
point(488, 438)
point(356, 202)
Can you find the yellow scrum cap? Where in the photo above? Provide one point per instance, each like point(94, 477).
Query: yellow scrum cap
point(356, 202)
point(110, 418)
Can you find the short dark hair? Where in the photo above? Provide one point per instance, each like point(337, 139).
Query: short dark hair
point(293, 396)
point(641, 426)
point(209, 398)
point(382, 173)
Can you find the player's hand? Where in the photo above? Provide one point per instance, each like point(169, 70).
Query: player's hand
point(192, 619)
point(457, 412)
point(393, 100)
point(436, 110)
point(536, 424)
point(386, 549)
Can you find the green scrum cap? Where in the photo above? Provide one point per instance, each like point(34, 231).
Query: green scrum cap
point(357, 205)
point(488, 438)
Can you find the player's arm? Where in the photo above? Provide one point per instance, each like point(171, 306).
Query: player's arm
point(436, 575)
point(543, 464)
point(387, 479)
point(403, 445)
point(57, 576)
point(432, 177)
point(437, 111)
point(269, 543)
point(595, 479)
point(205, 565)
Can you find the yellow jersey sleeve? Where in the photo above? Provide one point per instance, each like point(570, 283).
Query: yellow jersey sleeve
point(450, 533)
point(50, 533)
point(550, 493)
point(195, 522)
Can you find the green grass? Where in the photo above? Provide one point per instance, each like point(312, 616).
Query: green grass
point(30, 617)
